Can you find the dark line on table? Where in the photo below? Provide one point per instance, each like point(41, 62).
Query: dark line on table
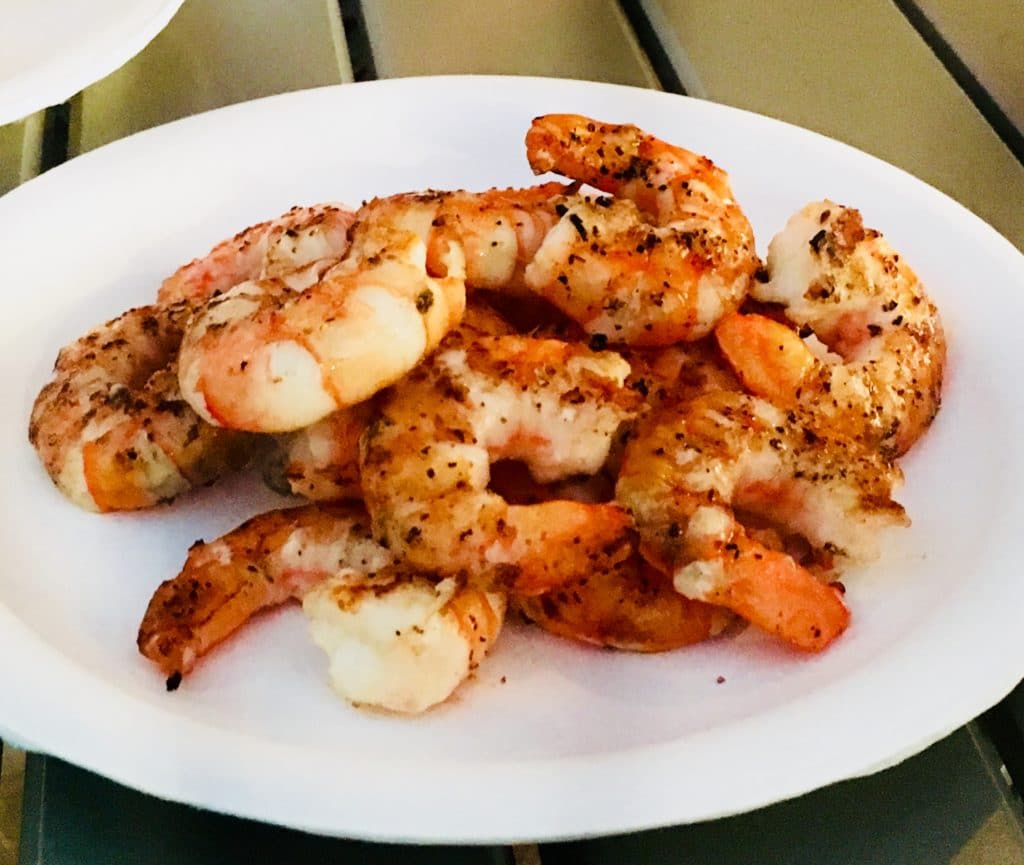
point(1006, 735)
point(33, 814)
point(1010, 135)
point(360, 52)
point(56, 133)
point(647, 36)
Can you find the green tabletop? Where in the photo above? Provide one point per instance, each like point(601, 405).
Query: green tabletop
point(949, 804)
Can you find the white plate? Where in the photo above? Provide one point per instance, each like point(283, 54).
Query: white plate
point(552, 740)
point(51, 49)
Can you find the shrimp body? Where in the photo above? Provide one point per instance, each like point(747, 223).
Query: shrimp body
point(303, 243)
point(555, 406)
point(679, 371)
point(630, 606)
point(870, 352)
point(399, 640)
point(321, 462)
point(265, 358)
point(498, 230)
point(691, 467)
point(112, 428)
point(660, 262)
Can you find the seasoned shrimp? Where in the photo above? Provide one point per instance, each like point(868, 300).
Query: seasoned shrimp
point(397, 639)
point(692, 467)
point(679, 371)
point(111, 427)
point(263, 563)
point(869, 355)
point(660, 262)
point(676, 372)
point(630, 606)
point(321, 462)
point(301, 243)
point(264, 358)
point(498, 230)
point(555, 406)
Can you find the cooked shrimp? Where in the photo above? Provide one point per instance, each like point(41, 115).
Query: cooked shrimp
point(661, 262)
point(498, 230)
point(679, 371)
point(264, 358)
point(676, 372)
point(399, 640)
point(691, 467)
point(321, 462)
point(263, 563)
point(302, 243)
point(111, 427)
point(555, 406)
point(869, 355)
point(630, 606)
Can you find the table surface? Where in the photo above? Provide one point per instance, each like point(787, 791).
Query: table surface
point(933, 86)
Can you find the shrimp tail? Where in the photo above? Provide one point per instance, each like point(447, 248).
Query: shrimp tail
point(546, 146)
point(771, 591)
point(768, 357)
point(191, 613)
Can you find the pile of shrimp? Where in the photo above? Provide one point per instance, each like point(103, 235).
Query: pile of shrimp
point(588, 403)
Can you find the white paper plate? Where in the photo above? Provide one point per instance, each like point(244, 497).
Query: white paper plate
point(51, 49)
point(552, 740)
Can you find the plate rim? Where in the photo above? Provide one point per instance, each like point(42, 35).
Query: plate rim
point(58, 78)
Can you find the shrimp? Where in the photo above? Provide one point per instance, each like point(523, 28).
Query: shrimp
point(264, 358)
point(112, 429)
point(660, 262)
point(630, 606)
point(301, 243)
point(399, 640)
point(695, 468)
point(321, 462)
point(498, 230)
point(679, 371)
point(426, 461)
point(356, 598)
point(597, 259)
point(676, 372)
point(266, 561)
point(869, 355)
